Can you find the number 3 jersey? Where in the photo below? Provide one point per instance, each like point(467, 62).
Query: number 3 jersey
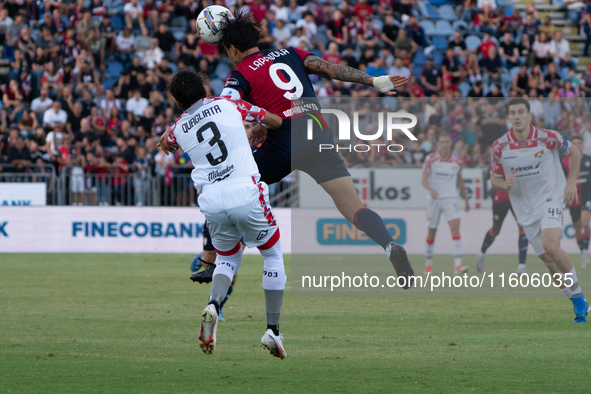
point(212, 134)
point(540, 180)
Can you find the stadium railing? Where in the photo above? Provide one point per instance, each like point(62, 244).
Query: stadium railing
point(32, 173)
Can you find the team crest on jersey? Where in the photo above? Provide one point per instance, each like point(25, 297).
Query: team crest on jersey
point(539, 154)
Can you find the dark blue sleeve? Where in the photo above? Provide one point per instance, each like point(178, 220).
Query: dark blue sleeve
point(239, 83)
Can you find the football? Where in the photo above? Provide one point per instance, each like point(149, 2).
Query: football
point(210, 21)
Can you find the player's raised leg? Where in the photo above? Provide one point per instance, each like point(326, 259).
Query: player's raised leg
point(227, 265)
point(553, 254)
point(350, 206)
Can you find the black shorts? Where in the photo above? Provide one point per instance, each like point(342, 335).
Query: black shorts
point(586, 202)
point(207, 245)
point(575, 213)
point(500, 211)
point(286, 150)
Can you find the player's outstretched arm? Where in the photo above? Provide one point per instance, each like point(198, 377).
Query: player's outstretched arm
point(271, 120)
point(385, 83)
point(570, 192)
point(504, 185)
point(462, 188)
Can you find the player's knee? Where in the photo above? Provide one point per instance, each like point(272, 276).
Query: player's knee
point(552, 249)
point(274, 277)
point(226, 267)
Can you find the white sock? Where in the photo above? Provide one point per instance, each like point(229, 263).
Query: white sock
point(428, 262)
point(521, 268)
point(575, 288)
point(457, 250)
point(566, 292)
point(429, 248)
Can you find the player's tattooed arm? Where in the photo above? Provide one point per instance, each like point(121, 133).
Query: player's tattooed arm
point(315, 65)
point(384, 83)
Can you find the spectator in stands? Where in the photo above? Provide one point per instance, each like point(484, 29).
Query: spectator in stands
point(399, 69)
point(541, 49)
point(473, 69)
point(40, 104)
point(153, 56)
point(568, 90)
point(54, 115)
point(415, 32)
point(134, 14)
point(309, 27)
point(389, 33)
point(124, 45)
point(485, 45)
point(587, 31)
point(13, 97)
point(586, 85)
point(560, 51)
point(369, 36)
point(536, 81)
point(27, 124)
point(552, 77)
point(491, 66)
point(508, 52)
point(332, 55)
point(137, 104)
point(487, 19)
point(458, 45)
point(430, 78)
point(405, 47)
point(521, 81)
point(19, 155)
point(282, 34)
point(452, 66)
point(362, 10)
point(552, 111)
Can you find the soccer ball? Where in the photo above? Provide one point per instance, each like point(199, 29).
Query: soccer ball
point(210, 21)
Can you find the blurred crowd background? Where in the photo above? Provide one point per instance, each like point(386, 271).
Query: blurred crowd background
point(84, 81)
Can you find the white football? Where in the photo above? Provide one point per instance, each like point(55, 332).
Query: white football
point(210, 21)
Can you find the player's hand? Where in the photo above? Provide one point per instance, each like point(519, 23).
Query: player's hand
point(398, 81)
point(163, 144)
point(258, 135)
point(510, 180)
point(570, 194)
point(467, 205)
point(434, 194)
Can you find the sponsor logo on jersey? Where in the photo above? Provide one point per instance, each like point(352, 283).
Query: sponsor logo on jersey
point(216, 176)
point(539, 154)
point(526, 168)
point(232, 81)
point(341, 232)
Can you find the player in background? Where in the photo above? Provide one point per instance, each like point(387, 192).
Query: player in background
point(442, 177)
point(526, 163)
point(233, 200)
point(502, 205)
point(575, 207)
point(272, 79)
point(584, 184)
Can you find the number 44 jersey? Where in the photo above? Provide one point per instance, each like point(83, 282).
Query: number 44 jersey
point(212, 134)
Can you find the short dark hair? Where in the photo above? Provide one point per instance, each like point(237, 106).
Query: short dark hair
point(517, 101)
point(243, 32)
point(577, 137)
point(443, 134)
point(187, 88)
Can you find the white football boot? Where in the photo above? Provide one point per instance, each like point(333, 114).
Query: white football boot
point(274, 344)
point(207, 332)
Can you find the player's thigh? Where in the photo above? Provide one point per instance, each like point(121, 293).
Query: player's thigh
point(551, 238)
point(575, 214)
point(433, 214)
point(500, 211)
point(223, 232)
point(255, 221)
point(450, 209)
point(273, 160)
point(551, 227)
point(533, 232)
point(344, 195)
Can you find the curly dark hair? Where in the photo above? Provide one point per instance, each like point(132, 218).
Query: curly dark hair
point(187, 88)
point(243, 32)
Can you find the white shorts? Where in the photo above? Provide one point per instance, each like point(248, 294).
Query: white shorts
point(77, 184)
point(551, 217)
point(447, 206)
point(237, 209)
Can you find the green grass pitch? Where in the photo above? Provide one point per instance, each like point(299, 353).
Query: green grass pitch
point(129, 324)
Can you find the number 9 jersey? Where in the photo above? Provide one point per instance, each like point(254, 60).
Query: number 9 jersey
point(271, 79)
point(212, 134)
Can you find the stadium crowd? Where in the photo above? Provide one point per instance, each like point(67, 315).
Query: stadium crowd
point(86, 86)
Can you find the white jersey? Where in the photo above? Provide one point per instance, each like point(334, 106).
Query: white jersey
point(443, 173)
point(539, 179)
point(212, 134)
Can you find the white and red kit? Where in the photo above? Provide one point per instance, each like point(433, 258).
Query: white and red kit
point(538, 195)
point(233, 200)
point(443, 174)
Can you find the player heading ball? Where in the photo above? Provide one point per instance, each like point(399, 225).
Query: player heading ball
point(233, 200)
point(526, 163)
